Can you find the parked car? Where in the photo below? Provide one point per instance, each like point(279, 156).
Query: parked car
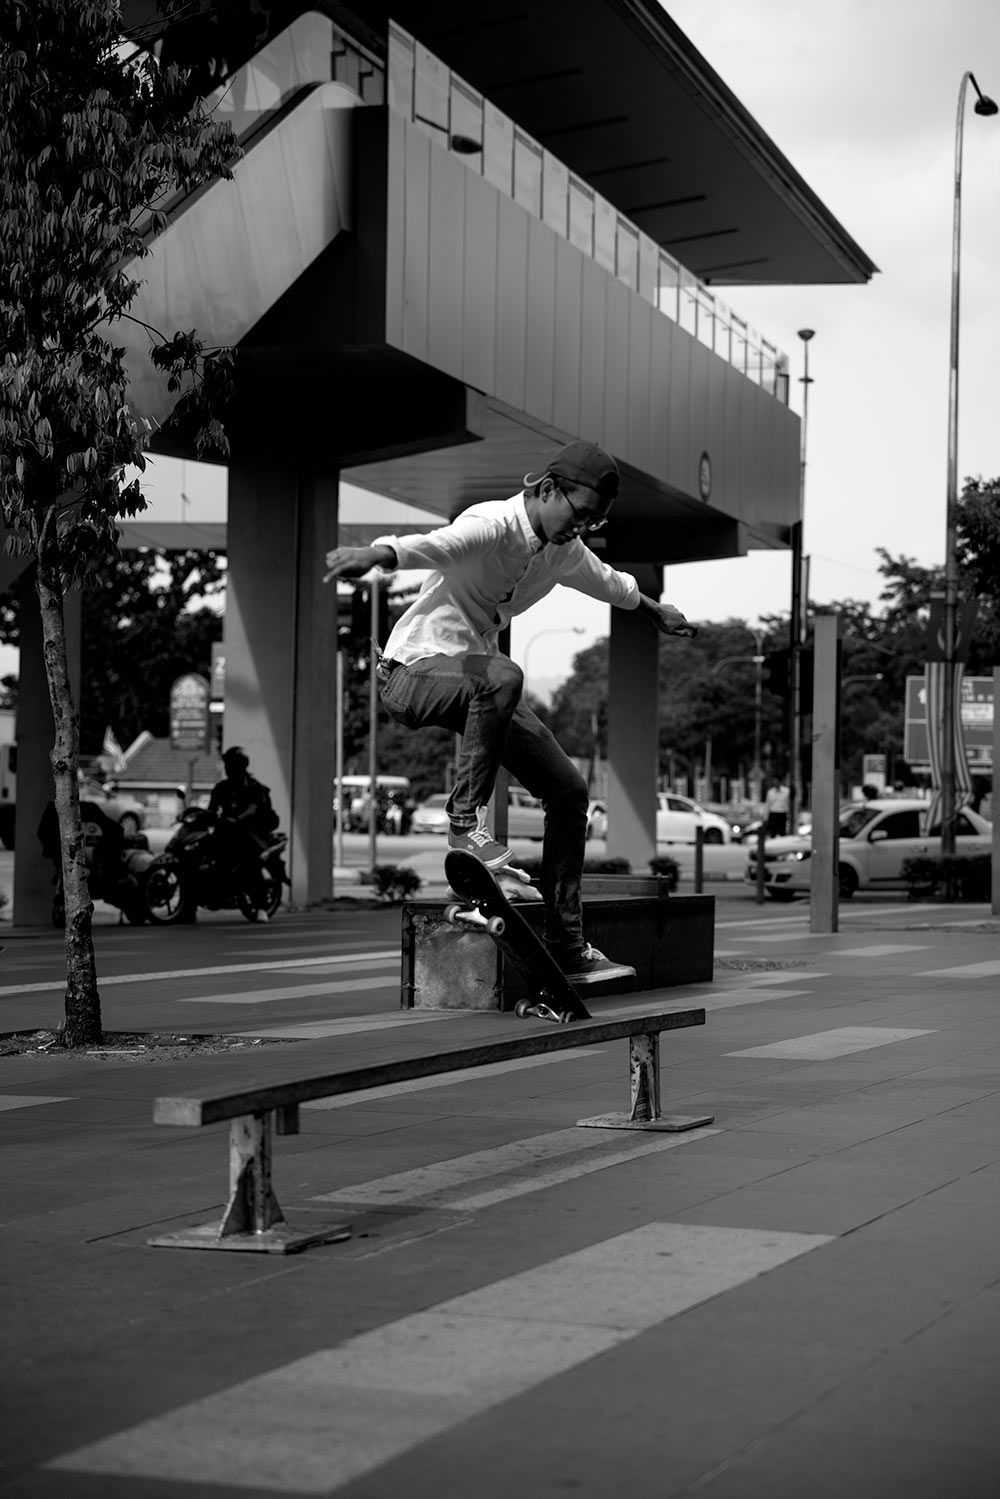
point(126, 810)
point(525, 815)
point(677, 818)
point(429, 816)
point(876, 839)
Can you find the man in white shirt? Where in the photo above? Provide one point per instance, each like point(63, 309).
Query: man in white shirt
point(443, 666)
point(776, 807)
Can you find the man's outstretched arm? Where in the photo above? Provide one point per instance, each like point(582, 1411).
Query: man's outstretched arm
point(665, 617)
point(354, 562)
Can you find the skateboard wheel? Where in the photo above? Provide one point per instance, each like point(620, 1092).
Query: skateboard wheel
point(451, 914)
point(522, 1009)
point(496, 926)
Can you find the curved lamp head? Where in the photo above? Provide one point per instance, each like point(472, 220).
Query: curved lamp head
point(985, 106)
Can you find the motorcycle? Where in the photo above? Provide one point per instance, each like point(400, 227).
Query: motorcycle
point(118, 862)
point(196, 869)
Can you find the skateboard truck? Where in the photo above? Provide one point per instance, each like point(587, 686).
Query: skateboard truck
point(494, 926)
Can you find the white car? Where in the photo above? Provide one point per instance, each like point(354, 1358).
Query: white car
point(525, 815)
point(430, 816)
point(126, 810)
point(677, 820)
point(876, 839)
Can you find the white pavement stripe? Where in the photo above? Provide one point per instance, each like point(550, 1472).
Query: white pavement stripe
point(876, 950)
point(784, 937)
point(292, 991)
point(825, 1044)
point(25, 1100)
point(449, 1079)
point(963, 971)
point(445, 1183)
point(197, 973)
point(325, 1420)
point(347, 1025)
point(555, 1176)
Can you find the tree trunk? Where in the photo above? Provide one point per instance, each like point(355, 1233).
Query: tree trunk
point(82, 1026)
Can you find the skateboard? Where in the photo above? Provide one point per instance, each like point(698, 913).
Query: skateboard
point(487, 909)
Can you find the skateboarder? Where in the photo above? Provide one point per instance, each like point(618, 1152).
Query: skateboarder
point(442, 664)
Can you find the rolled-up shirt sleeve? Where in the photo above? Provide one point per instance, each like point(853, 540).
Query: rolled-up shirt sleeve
point(449, 546)
point(589, 575)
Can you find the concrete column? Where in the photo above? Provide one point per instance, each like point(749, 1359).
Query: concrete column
point(281, 644)
point(35, 733)
point(824, 886)
point(634, 728)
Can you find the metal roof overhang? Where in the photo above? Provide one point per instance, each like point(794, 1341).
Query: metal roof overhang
point(617, 92)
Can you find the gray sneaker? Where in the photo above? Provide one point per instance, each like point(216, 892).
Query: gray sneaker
point(589, 966)
point(481, 842)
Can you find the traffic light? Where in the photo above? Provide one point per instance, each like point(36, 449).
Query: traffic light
point(354, 619)
point(776, 675)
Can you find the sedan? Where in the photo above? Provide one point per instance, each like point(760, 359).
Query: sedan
point(677, 820)
point(876, 839)
point(525, 815)
point(430, 815)
point(126, 810)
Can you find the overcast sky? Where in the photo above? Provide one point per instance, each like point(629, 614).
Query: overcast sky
point(861, 96)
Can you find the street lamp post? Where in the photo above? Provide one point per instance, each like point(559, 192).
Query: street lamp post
point(800, 604)
point(758, 704)
point(555, 630)
point(983, 106)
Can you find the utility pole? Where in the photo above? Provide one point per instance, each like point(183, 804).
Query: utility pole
point(800, 605)
point(373, 730)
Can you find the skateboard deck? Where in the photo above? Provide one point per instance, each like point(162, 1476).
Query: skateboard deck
point(487, 909)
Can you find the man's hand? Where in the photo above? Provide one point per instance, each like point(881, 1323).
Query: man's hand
point(353, 562)
point(670, 621)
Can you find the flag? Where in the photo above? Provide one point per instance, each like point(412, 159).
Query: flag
point(111, 750)
point(934, 673)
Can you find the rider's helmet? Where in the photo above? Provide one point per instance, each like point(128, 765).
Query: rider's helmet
point(235, 759)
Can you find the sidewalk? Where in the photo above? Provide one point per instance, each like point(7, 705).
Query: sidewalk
point(800, 1301)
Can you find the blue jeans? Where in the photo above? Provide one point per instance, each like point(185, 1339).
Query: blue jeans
point(479, 697)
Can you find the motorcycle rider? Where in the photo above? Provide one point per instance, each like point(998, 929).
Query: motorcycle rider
point(245, 820)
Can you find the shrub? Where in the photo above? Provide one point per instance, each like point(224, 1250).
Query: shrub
point(394, 882)
point(969, 876)
point(667, 868)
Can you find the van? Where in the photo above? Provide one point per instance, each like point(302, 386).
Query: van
point(394, 789)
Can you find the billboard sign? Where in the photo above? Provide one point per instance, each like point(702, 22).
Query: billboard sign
point(189, 714)
point(977, 722)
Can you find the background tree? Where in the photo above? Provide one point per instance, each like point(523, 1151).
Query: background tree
point(155, 617)
point(93, 143)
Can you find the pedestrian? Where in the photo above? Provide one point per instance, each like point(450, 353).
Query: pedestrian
point(442, 664)
point(776, 808)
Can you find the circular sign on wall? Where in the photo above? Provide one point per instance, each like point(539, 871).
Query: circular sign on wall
point(704, 476)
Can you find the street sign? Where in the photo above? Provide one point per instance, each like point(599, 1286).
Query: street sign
point(977, 722)
point(189, 714)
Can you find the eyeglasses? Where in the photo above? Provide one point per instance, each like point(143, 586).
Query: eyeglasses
point(583, 521)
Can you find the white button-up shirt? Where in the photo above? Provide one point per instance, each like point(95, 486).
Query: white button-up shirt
point(487, 566)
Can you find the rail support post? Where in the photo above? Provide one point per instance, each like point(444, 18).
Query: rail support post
point(644, 1079)
point(253, 1219)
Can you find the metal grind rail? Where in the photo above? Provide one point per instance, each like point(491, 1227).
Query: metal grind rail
point(253, 1219)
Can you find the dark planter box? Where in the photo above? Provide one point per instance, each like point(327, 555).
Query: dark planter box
point(668, 942)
